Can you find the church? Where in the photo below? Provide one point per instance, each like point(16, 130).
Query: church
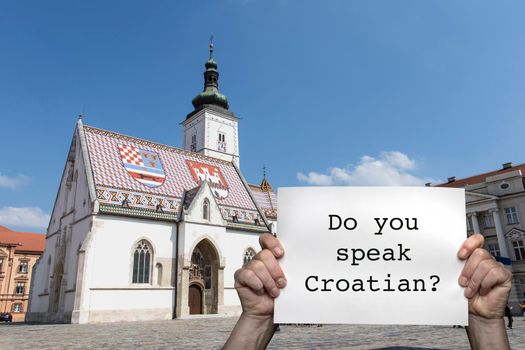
point(146, 231)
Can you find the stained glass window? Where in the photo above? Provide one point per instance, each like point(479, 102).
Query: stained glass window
point(141, 263)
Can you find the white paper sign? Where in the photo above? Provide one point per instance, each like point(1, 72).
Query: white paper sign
point(371, 255)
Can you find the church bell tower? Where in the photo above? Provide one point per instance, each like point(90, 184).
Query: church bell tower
point(212, 129)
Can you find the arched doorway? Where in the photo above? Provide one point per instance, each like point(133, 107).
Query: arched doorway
point(56, 287)
point(195, 299)
point(203, 278)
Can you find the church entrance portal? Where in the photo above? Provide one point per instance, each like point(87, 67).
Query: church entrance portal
point(203, 284)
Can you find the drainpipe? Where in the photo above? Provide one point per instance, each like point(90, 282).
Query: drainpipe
point(176, 271)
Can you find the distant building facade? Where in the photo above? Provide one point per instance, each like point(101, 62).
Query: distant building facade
point(495, 203)
point(19, 251)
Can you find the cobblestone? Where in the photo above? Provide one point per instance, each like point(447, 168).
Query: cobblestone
point(211, 333)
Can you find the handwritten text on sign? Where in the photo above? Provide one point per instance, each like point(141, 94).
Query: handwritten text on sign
point(371, 255)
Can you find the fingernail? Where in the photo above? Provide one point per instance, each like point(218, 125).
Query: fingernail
point(463, 253)
point(275, 292)
point(281, 282)
point(278, 251)
point(463, 281)
point(468, 292)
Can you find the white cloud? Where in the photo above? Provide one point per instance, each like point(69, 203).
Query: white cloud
point(23, 216)
point(13, 182)
point(391, 168)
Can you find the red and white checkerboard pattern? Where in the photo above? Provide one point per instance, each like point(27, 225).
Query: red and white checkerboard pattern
point(108, 170)
point(130, 155)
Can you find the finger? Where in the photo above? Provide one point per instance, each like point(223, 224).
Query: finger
point(273, 267)
point(264, 276)
point(268, 241)
point(247, 278)
point(470, 245)
point(479, 274)
point(472, 264)
point(496, 276)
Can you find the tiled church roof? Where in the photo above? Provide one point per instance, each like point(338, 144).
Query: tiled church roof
point(136, 183)
point(267, 200)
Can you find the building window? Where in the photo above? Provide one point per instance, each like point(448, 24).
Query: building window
point(488, 220)
point(493, 249)
point(512, 215)
point(1, 263)
point(469, 223)
point(141, 263)
point(221, 145)
point(248, 255)
point(522, 285)
point(17, 307)
point(20, 287)
point(193, 145)
point(519, 249)
point(22, 268)
point(206, 209)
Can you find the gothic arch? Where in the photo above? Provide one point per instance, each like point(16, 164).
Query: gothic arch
point(203, 284)
point(214, 246)
point(134, 263)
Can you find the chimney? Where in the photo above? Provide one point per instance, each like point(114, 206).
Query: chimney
point(451, 179)
point(507, 165)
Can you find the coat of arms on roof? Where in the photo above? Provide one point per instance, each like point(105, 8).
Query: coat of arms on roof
point(142, 165)
point(212, 174)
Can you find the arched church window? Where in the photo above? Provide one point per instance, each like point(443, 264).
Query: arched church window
point(193, 145)
point(249, 254)
point(206, 209)
point(200, 270)
point(221, 143)
point(142, 262)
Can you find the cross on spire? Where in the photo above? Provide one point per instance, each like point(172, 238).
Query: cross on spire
point(211, 47)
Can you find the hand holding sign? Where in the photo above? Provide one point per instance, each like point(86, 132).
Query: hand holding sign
point(486, 328)
point(488, 282)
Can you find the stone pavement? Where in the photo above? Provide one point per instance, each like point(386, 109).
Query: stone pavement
point(211, 333)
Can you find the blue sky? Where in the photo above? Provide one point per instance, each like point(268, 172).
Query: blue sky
point(329, 92)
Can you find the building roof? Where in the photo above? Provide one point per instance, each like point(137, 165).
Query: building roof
point(24, 241)
point(147, 174)
point(265, 197)
point(480, 178)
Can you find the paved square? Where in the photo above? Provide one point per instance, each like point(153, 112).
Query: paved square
point(211, 333)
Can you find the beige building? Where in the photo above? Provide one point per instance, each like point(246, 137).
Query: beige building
point(496, 208)
point(19, 251)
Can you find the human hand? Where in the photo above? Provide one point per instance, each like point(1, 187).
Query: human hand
point(487, 283)
point(260, 280)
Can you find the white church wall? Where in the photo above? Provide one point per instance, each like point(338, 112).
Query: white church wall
point(111, 275)
point(234, 243)
point(69, 225)
point(39, 291)
point(195, 127)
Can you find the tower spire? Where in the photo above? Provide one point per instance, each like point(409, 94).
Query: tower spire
point(210, 95)
point(265, 184)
